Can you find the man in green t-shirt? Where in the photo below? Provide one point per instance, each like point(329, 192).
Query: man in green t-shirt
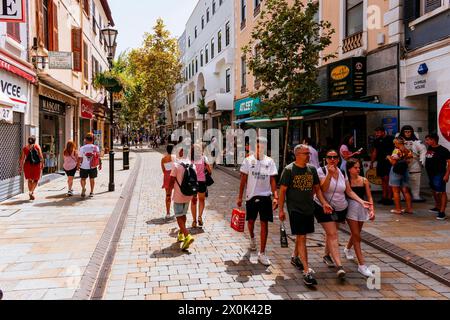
point(299, 182)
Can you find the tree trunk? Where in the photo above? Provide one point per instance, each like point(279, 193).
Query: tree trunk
point(170, 110)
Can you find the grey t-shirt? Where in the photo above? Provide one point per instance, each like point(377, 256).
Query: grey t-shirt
point(300, 192)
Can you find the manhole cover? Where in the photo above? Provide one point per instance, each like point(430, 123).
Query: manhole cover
point(6, 213)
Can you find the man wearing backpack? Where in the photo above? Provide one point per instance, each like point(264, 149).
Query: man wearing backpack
point(88, 162)
point(258, 174)
point(183, 180)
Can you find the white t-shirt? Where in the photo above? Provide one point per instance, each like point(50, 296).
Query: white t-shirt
point(314, 158)
point(87, 152)
point(259, 173)
point(338, 201)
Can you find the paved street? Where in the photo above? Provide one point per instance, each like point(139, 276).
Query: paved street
point(46, 245)
point(149, 264)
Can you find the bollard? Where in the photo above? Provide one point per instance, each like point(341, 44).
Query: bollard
point(126, 157)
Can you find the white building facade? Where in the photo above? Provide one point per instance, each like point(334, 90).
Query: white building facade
point(208, 62)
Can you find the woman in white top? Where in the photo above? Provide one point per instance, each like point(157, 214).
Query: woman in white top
point(70, 164)
point(335, 188)
point(345, 151)
point(166, 167)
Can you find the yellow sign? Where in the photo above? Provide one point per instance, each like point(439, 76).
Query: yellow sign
point(340, 73)
point(371, 175)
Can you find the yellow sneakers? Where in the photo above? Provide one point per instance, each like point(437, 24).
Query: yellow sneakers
point(180, 237)
point(187, 242)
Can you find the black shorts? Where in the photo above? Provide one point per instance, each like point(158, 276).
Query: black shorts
point(201, 187)
point(321, 217)
point(91, 173)
point(71, 173)
point(261, 205)
point(383, 168)
point(301, 224)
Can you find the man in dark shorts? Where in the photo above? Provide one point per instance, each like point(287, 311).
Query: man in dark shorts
point(438, 168)
point(258, 174)
point(383, 147)
point(299, 182)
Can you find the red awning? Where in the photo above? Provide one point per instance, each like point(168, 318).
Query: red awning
point(17, 71)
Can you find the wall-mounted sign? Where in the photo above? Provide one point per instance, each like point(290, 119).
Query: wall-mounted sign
point(60, 60)
point(347, 79)
point(16, 89)
point(246, 106)
point(12, 11)
point(444, 120)
point(87, 109)
point(391, 125)
point(52, 106)
point(420, 85)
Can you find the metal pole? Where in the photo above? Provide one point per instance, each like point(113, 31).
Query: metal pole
point(111, 187)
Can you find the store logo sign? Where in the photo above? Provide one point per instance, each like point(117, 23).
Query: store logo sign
point(12, 11)
point(340, 73)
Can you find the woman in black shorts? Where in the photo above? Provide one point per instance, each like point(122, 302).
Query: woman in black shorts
point(335, 188)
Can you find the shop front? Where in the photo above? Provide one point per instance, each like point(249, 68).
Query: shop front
point(52, 124)
point(13, 105)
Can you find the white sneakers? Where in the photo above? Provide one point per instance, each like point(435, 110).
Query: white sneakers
point(364, 270)
point(349, 255)
point(264, 260)
point(253, 244)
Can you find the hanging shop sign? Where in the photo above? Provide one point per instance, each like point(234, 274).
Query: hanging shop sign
point(246, 106)
point(87, 109)
point(444, 120)
point(12, 11)
point(347, 79)
point(60, 60)
point(52, 106)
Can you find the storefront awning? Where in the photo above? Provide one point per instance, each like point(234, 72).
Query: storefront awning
point(278, 121)
point(347, 105)
point(240, 121)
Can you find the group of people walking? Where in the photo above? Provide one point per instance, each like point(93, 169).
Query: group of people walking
point(86, 160)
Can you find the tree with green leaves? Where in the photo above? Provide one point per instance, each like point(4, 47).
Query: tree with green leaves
point(284, 54)
point(156, 69)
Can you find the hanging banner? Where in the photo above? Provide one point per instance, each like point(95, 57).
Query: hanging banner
point(87, 109)
point(12, 11)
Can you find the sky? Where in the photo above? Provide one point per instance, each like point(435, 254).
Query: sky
point(135, 17)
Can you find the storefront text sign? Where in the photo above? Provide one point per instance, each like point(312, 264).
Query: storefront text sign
point(347, 79)
point(420, 85)
point(444, 120)
point(246, 106)
point(87, 109)
point(12, 10)
point(60, 60)
point(16, 89)
point(52, 106)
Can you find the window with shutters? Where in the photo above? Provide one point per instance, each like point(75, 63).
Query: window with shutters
point(86, 7)
point(228, 80)
point(94, 19)
point(243, 73)
point(206, 54)
point(13, 30)
point(219, 41)
point(227, 34)
point(201, 58)
point(85, 61)
point(203, 22)
point(354, 17)
point(214, 7)
point(76, 49)
point(45, 23)
point(207, 15)
point(429, 5)
point(243, 13)
point(212, 48)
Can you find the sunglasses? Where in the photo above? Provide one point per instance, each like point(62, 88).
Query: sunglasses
point(333, 157)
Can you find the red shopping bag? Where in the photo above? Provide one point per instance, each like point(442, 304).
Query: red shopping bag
point(238, 220)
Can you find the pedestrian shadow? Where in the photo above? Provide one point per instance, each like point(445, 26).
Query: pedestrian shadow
point(160, 221)
point(58, 196)
point(283, 287)
point(245, 269)
point(193, 231)
point(15, 203)
point(172, 251)
point(65, 202)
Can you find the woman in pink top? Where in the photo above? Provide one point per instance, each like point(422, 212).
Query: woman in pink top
point(166, 167)
point(70, 164)
point(201, 164)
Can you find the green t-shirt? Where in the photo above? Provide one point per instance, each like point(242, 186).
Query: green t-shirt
point(300, 192)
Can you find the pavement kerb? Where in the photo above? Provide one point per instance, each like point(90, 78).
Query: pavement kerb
point(423, 265)
point(94, 279)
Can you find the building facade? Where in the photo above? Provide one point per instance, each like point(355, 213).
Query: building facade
point(208, 59)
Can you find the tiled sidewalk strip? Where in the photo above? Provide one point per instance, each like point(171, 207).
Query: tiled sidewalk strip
point(425, 266)
point(93, 281)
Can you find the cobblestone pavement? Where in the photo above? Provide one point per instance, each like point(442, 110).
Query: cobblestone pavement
point(46, 245)
point(149, 264)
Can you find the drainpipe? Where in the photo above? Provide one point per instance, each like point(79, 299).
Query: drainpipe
point(398, 86)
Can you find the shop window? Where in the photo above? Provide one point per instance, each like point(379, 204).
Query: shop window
point(354, 16)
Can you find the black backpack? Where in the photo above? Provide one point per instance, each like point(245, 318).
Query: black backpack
point(189, 185)
point(33, 156)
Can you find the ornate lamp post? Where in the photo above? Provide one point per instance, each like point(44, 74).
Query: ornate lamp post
point(110, 36)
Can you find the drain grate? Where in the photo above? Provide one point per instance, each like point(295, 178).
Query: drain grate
point(6, 213)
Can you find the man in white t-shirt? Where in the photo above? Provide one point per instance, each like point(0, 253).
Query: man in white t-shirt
point(258, 173)
point(86, 158)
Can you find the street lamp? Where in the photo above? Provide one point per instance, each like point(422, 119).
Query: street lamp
point(110, 36)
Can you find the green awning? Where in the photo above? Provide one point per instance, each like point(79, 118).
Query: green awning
point(278, 121)
point(347, 105)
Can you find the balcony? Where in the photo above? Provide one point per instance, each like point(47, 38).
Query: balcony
point(353, 42)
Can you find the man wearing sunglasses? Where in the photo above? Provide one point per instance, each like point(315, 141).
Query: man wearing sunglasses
point(299, 182)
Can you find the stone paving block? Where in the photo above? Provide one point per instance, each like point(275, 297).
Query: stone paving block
point(177, 289)
point(194, 294)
